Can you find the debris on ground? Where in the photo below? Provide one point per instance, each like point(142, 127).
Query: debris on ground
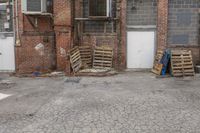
point(54, 74)
point(72, 80)
point(6, 82)
point(94, 70)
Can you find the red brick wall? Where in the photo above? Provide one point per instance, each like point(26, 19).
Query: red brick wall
point(162, 23)
point(63, 28)
point(123, 7)
point(28, 57)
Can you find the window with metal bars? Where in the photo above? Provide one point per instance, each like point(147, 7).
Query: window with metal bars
point(100, 8)
point(97, 26)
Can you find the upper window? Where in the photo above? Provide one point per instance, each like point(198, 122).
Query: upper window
point(6, 21)
point(100, 8)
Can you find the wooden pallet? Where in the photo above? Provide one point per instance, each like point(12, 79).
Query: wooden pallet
point(75, 59)
point(103, 57)
point(157, 68)
point(86, 56)
point(182, 63)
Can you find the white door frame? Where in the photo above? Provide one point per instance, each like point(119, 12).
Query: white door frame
point(13, 32)
point(140, 29)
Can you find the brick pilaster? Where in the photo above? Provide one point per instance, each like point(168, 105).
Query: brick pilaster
point(162, 24)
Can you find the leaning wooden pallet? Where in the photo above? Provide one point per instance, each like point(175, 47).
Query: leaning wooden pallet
point(75, 59)
point(157, 68)
point(103, 57)
point(86, 56)
point(182, 63)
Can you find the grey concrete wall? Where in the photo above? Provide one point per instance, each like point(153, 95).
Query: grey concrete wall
point(143, 12)
point(183, 22)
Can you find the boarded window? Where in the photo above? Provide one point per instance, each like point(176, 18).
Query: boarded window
point(98, 8)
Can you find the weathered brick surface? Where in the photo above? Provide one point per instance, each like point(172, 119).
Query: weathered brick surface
point(122, 36)
point(28, 57)
point(62, 28)
point(162, 23)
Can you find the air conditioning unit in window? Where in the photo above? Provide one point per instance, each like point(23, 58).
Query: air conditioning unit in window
point(109, 8)
point(34, 6)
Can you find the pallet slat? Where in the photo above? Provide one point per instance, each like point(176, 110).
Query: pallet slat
point(86, 56)
point(75, 59)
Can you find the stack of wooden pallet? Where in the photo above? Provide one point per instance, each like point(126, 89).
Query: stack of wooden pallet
point(103, 57)
point(182, 63)
point(81, 57)
point(86, 56)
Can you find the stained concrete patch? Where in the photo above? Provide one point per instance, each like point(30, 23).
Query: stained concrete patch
point(3, 96)
point(72, 80)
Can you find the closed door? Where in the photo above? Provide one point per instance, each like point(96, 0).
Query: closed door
point(7, 58)
point(140, 49)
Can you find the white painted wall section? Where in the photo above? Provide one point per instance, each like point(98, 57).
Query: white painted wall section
point(7, 56)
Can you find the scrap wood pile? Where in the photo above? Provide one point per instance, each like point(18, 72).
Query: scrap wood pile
point(178, 63)
point(88, 59)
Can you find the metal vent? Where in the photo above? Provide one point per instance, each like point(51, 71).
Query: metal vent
point(34, 5)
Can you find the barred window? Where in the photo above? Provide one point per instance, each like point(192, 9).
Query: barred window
point(98, 8)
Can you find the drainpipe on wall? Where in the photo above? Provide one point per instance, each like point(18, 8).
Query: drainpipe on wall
point(18, 42)
point(198, 64)
point(199, 36)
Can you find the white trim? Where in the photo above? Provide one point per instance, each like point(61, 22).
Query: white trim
point(141, 26)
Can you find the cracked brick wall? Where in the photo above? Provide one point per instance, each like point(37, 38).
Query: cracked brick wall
point(63, 27)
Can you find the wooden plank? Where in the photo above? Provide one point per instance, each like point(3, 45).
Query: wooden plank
point(157, 68)
point(75, 59)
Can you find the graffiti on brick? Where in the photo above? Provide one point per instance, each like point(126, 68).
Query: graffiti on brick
point(63, 52)
point(40, 49)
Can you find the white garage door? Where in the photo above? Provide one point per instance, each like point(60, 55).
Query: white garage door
point(140, 49)
point(7, 58)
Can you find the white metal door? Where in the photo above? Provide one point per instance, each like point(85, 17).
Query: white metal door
point(140, 49)
point(7, 57)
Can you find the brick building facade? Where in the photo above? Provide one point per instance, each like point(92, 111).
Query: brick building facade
point(43, 41)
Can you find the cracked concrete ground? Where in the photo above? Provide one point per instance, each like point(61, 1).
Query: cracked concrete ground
point(132, 102)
